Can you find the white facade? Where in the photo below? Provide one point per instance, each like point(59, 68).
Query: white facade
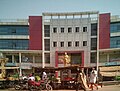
point(65, 21)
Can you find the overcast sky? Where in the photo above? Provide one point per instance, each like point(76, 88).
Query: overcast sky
point(13, 9)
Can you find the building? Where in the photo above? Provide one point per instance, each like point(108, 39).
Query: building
point(89, 38)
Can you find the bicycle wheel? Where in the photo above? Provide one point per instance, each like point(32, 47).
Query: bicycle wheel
point(49, 87)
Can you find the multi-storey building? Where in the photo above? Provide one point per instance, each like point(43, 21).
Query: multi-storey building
point(89, 38)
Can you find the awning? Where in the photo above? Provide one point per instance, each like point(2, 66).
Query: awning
point(110, 74)
point(10, 68)
point(109, 68)
point(110, 71)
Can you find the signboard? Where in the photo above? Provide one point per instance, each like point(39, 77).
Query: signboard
point(111, 63)
point(26, 65)
point(11, 64)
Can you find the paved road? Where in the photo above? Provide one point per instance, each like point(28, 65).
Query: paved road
point(104, 88)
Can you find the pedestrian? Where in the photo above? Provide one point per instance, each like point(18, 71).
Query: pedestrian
point(31, 77)
point(93, 79)
point(44, 76)
point(24, 77)
point(81, 80)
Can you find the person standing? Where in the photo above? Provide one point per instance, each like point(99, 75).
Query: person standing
point(93, 78)
point(31, 77)
point(81, 79)
point(44, 76)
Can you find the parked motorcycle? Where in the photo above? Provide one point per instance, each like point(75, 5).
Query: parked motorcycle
point(38, 86)
point(22, 84)
point(33, 85)
point(45, 85)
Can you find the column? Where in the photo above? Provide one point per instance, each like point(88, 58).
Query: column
point(20, 64)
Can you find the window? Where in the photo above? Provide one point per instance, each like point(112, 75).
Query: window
point(118, 42)
point(9, 58)
point(76, 43)
point(54, 44)
point(69, 30)
point(54, 30)
point(84, 29)
point(84, 43)
point(76, 29)
point(62, 30)
point(47, 58)
point(13, 31)
point(14, 44)
point(76, 58)
point(115, 42)
point(47, 44)
point(69, 44)
point(94, 29)
point(16, 58)
point(61, 44)
point(93, 57)
point(93, 43)
point(47, 30)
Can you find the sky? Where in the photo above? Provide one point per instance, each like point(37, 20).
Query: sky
point(22, 9)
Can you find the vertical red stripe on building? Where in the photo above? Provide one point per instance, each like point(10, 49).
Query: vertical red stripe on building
point(35, 32)
point(82, 53)
point(56, 59)
point(56, 63)
point(104, 31)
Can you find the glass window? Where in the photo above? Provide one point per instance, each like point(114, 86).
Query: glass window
point(76, 58)
point(14, 44)
point(47, 44)
point(54, 30)
point(47, 58)
point(84, 43)
point(9, 58)
point(62, 30)
point(47, 30)
point(16, 58)
point(76, 43)
point(69, 44)
point(93, 43)
point(103, 58)
point(61, 44)
point(69, 30)
point(115, 42)
point(118, 42)
point(14, 30)
point(94, 29)
point(54, 44)
point(76, 29)
point(93, 57)
point(115, 27)
point(38, 58)
point(84, 29)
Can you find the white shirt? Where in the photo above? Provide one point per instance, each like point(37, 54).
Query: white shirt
point(24, 77)
point(44, 76)
point(32, 78)
point(93, 76)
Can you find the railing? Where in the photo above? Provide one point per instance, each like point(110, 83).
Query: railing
point(13, 20)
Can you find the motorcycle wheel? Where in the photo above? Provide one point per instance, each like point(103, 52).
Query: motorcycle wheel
point(17, 87)
point(39, 88)
point(31, 88)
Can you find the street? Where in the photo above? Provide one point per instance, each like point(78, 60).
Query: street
point(104, 88)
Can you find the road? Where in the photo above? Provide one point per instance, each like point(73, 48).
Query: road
point(104, 88)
